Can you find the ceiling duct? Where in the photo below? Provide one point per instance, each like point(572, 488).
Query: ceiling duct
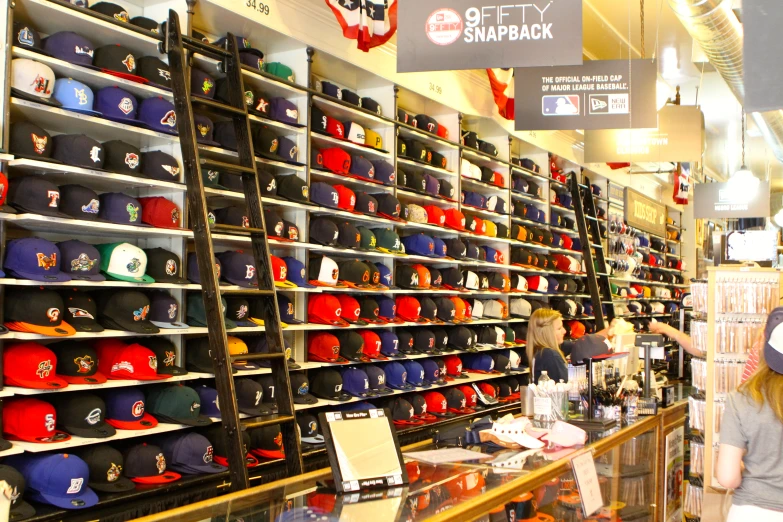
point(715, 27)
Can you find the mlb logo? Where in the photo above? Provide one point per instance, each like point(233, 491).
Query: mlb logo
point(560, 105)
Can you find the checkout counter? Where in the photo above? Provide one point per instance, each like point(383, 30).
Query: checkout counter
point(538, 485)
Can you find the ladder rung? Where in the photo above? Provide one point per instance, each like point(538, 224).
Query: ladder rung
point(601, 274)
point(233, 229)
point(212, 104)
point(591, 217)
point(193, 44)
point(268, 422)
point(597, 246)
point(257, 356)
point(220, 165)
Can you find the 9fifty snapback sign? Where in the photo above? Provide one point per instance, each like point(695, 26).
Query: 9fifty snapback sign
point(447, 35)
point(601, 94)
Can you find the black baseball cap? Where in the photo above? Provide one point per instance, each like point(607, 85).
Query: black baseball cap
point(80, 202)
point(36, 310)
point(119, 157)
point(20, 510)
point(126, 310)
point(77, 362)
point(176, 404)
point(250, 397)
point(405, 341)
point(351, 346)
point(166, 353)
point(424, 341)
point(28, 140)
point(300, 389)
point(105, 464)
point(461, 338)
point(324, 231)
point(80, 311)
point(164, 266)
point(159, 165)
point(270, 397)
point(292, 188)
point(35, 194)
point(83, 415)
point(328, 384)
point(154, 70)
point(348, 235)
point(79, 150)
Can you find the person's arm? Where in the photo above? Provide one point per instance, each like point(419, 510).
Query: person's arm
point(677, 336)
point(733, 443)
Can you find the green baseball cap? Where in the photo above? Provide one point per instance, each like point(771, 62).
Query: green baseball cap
point(387, 240)
point(368, 240)
point(176, 404)
point(211, 179)
point(197, 314)
point(124, 262)
point(280, 70)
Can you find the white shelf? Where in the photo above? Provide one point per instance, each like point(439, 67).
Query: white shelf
point(324, 211)
point(98, 284)
point(408, 195)
point(94, 78)
point(484, 187)
point(357, 185)
point(485, 213)
point(50, 17)
point(483, 160)
point(111, 383)
point(6, 391)
point(62, 121)
point(345, 113)
point(230, 156)
point(289, 129)
point(424, 166)
point(60, 174)
point(322, 141)
point(528, 198)
point(309, 327)
point(38, 223)
point(15, 449)
point(103, 334)
point(433, 142)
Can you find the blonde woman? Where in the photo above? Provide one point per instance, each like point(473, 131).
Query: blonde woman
point(751, 434)
point(545, 334)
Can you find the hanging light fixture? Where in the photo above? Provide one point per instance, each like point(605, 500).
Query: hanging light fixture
point(743, 184)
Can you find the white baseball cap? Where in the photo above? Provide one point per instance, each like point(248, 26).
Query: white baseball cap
point(520, 308)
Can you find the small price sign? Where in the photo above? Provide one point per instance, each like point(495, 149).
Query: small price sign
point(586, 477)
point(259, 7)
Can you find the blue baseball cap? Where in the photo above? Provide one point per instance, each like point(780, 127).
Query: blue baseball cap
point(440, 247)
point(416, 374)
point(432, 185)
point(34, 258)
point(419, 244)
point(480, 362)
point(386, 308)
point(324, 194)
point(473, 199)
point(121, 209)
point(386, 275)
point(56, 479)
point(70, 47)
point(238, 268)
point(296, 273)
point(588, 307)
point(361, 168)
point(397, 376)
point(552, 285)
point(75, 96)
point(159, 115)
point(356, 383)
point(205, 130)
point(79, 260)
point(209, 401)
point(389, 344)
point(125, 409)
point(493, 255)
point(286, 307)
point(284, 111)
point(576, 244)
point(432, 372)
point(117, 104)
point(384, 172)
point(190, 454)
point(193, 274)
point(377, 378)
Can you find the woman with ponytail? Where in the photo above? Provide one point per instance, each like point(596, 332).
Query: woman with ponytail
point(545, 334)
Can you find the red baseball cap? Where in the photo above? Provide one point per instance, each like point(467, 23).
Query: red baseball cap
point(436, 402)
point(487, 389)
point(346, 198)
point(349, 309)
point(31, 420)
point(31, 365)
point(443, 132)
point(568, 243)
point(325, 309)
point(563, 262)
point(372, 345)
point(455, 219)
point(576, 329)
point(409, 308)
point(481, 227)
point(106, 350)
point(325, 347)
point(160, 212)
point(497, 179)
point(335, 128)
point(336, 160)
point(435, 215)
point(4, 192)
point(453, 366)
point(280, 273)
point(471, 397)
point(537, 283)
point(135, 362)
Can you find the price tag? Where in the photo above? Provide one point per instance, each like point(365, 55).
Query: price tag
point(542, 406)
point(587, 482)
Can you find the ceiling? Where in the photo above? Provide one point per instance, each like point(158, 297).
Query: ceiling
point(610, 26)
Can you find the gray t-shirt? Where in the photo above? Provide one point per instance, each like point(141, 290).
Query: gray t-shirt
point(756, 429)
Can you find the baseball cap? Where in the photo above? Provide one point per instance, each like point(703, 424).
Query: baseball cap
point(773, 347)
point(190, 454)
point(30, 420)
point(124, 262)
point(300, 389)
point(78, 363)
point(176, 404)
point(36, 310)
point(146, 464)
point(34, 258)
point(325, 309)
point(28, 140)
point(57, 479)
point(238, 268)
point(36, 195)
point(324, 347)
point(80, 311)
point(164, 310)
point(31, 365)
point(397, 376)
point(126, 310)
point(328, 384)
point(34, 81)
point(83, 415)
point(125, 409)
point(163, 266)
point(267, 442)
point(160, 212)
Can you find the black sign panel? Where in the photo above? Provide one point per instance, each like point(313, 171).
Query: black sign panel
point(763, 68)
point(727, 200)
point(443, 35)
point(601, 94)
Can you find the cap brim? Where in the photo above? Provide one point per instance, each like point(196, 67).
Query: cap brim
point(16, 93)
point(146, 422)
point(52, 383)
point(256, 411)
point(90, 277)
point(285, 284)
point(141, 327)
point(63, 330)
point(199, 469)
point(165, 478)
point(96, 378)
point(21, 510)
point(169, 326)
point(122, 484)
point(85, 499)
point(87, 326)
point(267, 454)
point(319, 439)
point(142, 279)
point(98, 432)
point(201, 420)
point(305, 399)
point(44, 212)
point(126, 76)
point(172, 370)
point(88, 112)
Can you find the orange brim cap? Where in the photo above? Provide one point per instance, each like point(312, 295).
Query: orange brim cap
point(63, 330)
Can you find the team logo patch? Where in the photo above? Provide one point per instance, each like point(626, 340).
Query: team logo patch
point(53, 314)
point(245, 222)
point(82, 50)
point(160, 462)
point(137, 410)
point(163, 73)
point(171, 265)
point(203, 129)
point(171, 169)
point(262, 105)
point(44, 368)
point(279, 440)
point(153, 362)
point(133, 266)
point(175, 216)
point(274, 145)
point(94, 417)
point(207, 86)
point(113, 473)
point(251, 272)
point(25, 36)
point(133, 212)
point(95, 154)
point(84, 364)
point(41, 85)
point(80, 313)
point(303, 389)
point(54, 198)
point(172, 311)
point(76, 486)
point(208, 455)
point(47, 262)
point(170, 358)
point(122, 16)
point(130, 62)
point(80, 95)
point(132, 160)
point(169, 119)
point(242, 312)
point(126, 105)
point(141, 313)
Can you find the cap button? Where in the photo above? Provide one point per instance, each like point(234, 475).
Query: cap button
point(65, 455)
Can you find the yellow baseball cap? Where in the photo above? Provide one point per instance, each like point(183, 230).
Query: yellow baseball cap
point(373, 139)
point(491, 229)
point(237, 346)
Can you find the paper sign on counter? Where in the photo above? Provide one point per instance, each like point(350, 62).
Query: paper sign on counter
point(587, 481)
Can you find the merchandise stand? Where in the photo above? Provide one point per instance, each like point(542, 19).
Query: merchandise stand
point(205, 252)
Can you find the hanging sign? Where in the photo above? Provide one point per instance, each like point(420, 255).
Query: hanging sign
point(678, 138)
point(600, 94)
point(644, 213)
point(722, 200)
point(443, 35)
point(763, 69)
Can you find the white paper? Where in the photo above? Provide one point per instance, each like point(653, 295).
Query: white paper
point(542, 406)
point(587, 481)
point(446, 455)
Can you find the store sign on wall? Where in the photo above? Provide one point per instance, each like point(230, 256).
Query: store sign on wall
point(644, 213)
point(761, 22)
point(442, 35)
point(721, 200)
point(678, 139)
point(600, 94)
